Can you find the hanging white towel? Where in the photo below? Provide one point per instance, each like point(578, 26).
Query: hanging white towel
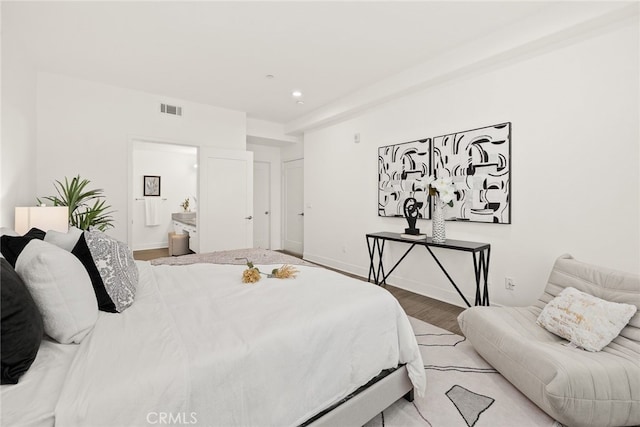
point(151, 211)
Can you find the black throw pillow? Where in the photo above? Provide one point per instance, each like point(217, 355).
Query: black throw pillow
point(21, 325)
point(12, 246)
point(81, 251)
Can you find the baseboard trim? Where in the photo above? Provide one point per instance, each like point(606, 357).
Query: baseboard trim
point(338, 265)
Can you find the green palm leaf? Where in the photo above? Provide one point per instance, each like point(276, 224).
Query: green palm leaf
point(86, 207)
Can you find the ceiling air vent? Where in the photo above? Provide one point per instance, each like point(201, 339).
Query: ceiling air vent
point(173, 110)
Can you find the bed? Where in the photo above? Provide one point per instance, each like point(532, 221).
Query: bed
point(197, 346)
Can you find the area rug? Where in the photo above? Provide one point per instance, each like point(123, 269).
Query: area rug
point(236, 257)
point(462, 390)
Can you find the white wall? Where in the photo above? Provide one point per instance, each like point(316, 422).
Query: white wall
point(84, 128)
point(293, 152)
point(575, 180)
point(17, 146)
point(269, 133)
point(179, 180)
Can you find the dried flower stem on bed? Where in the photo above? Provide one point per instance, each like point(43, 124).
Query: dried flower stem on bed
point(285, 272)
point(252, 274)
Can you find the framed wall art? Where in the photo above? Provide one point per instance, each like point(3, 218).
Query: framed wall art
point(151, 185)
point(402, 171)
point(479, 161)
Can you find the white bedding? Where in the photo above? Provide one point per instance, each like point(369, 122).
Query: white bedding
point(200, 347)
point(31, 402)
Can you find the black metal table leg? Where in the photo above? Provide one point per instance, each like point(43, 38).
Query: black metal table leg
point(384, 279)
point(477, 270)
point(448, 277)
point(380, 265)
point(485, 299)
point(372, 270)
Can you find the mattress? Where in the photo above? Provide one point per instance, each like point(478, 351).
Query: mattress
point(198, 346)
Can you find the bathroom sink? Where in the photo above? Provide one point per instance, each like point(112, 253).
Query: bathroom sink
point(184, 216)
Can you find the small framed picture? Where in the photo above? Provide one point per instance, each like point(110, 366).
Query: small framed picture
point(151, 185)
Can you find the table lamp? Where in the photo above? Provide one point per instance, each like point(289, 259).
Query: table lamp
point(43, 217)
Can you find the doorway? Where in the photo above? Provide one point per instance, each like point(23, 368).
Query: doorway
point(262, 205)
point(174, 166)
point(294, 206)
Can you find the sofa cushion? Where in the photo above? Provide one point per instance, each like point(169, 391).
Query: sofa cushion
point(573, 386)
point(586, 321)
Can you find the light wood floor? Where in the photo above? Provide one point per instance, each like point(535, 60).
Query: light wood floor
point(150, 254)
point(424, 308)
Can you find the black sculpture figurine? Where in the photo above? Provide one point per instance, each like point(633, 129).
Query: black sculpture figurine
point(411, 212)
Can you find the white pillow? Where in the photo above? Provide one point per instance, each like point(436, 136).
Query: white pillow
point(6, 231)
point(61, 288)
point(586, 321)
point(65, 241)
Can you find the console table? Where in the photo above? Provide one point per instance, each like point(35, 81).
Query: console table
point(479, 251)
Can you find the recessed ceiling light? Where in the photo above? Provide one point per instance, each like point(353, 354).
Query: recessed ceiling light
point(296, 94)
point(300, 101)
point(269, 76)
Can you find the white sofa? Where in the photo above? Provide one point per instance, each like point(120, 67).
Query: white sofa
point(575, 387)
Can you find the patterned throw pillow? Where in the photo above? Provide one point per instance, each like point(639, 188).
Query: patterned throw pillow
point(116, 266)
point(586, 321)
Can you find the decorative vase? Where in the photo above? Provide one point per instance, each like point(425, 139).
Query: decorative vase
point(437, 222)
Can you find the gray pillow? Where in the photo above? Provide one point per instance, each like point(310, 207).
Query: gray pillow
point(116, 266)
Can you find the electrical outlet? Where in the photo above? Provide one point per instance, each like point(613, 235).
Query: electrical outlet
point(509, 283)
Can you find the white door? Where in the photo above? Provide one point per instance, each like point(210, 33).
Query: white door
point(294, 206)
point(261, 205)
point(225, 215)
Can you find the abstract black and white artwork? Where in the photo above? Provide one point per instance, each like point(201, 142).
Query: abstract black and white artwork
point(479, 161)
point(402, 172)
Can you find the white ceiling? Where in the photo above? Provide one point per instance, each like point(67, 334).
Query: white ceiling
point(220, 52)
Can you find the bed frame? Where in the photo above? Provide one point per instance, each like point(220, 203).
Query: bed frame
point(368, 402)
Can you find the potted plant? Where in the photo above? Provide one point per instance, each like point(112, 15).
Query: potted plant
point(87, 208)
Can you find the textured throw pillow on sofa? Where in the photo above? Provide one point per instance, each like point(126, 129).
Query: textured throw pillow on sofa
point(585, 320)
point(61, 288)
point(22, 327)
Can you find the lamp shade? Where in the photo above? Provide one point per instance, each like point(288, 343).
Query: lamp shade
point(43, 217)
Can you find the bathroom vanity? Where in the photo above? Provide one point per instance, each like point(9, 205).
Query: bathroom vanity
point(186, 223)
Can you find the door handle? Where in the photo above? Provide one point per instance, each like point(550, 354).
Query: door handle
point(301, 214)
point(248, 217)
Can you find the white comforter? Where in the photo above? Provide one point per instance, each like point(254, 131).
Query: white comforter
point(200, 347)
